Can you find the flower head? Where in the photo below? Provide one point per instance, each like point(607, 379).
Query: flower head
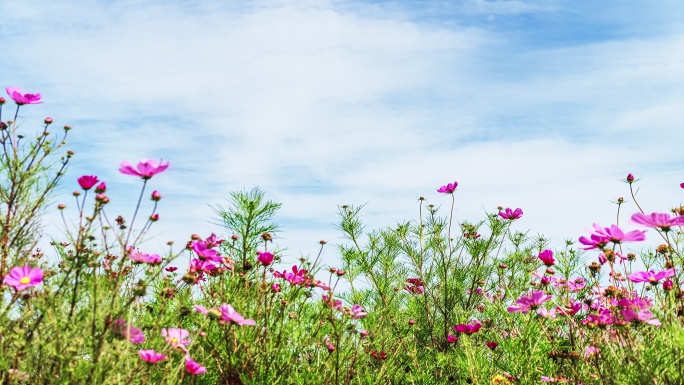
point(193, 367)
point(546, 257)
point(651, 276)
point(152, 259)
point(448, 189)
point(20, 97)
point(357, 312)
point(265, 258)
point(230, 315)
point(151, 356)
point(176, 337)
point(132, 334)
point(511, 214)
point(145, 169)
point(451, 339)
point(87, 181)
point(470, 328)
point(22, 277)
point(659, 220)
point(531, 302)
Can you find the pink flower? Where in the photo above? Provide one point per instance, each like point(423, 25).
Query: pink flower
point(24, 277)
point(681, 185)
point(87, 181)
point(213, 240)
point(663, 221)
point(630, 178)
point(451, 339)
point(603, 235)
point(265, 258)
point(152, 259)
point(630, 315)
point(448, 189)
point(468, 328)
point(230, 315)
point(357, 312)
point(275, 288)
point(492, 344)
point(591, 351)
point(546, 257)
point(193, 367)
point(651, 276)
point(176, 337)
point(145, 169)
point(151, 356)
point(204, 252)
point(204, 266)
point(132, 334)
point(201, 309)
point(527, 303)
point(511, 214)
point(21, 98)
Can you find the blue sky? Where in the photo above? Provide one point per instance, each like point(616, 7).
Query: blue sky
point(542, 105)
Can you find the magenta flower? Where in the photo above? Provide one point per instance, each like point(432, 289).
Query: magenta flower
point(546, 257)
point(193, 367)
point(213, 240)
point(511, 214)
point(604, 235)
point(681, 185)
point(145, 169)
point(24, 277)
point(202, 265)
point(201, 309)
point(451, 339)
point(265, 258)
point(228, 314)
point(662, 221)
point(492, 344)
point(645, 316)
point(448, 189)
point(357, 312)
point(101, 188)
point(651, 276)
point(468, 328)
point(21, 98)
point(176, 337)
point(87, 181)
point(151, 356)
point(527, 303)
point(152, 259)
point(130, 333)
point(204, 252)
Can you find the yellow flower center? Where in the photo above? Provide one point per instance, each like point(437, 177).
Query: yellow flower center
point(25, 281)
point(174, 340)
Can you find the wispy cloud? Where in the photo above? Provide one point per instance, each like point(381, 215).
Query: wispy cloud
point(537, 105)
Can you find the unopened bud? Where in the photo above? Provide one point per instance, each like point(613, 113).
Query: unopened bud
point(154, 217)
point(48, 120)
point(630, 178)
point(102, 187)
point(76, 193)
point(156, 196)
point(61, 206)
point(2, 101)
point(668, 285)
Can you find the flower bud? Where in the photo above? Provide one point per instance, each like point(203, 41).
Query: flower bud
point(156, 196)
point(3, 126)
point(411, 322)
point(61, 206)
point(67, 128)
point(48, 120)
point(101, 198)
point(234, 237)
point(2, 101)
point(102, 187)
point(154, 217)
point(630, 178)
point(76, 193)
point(668, 285)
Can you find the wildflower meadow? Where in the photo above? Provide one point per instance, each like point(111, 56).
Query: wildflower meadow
point(434, 299)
